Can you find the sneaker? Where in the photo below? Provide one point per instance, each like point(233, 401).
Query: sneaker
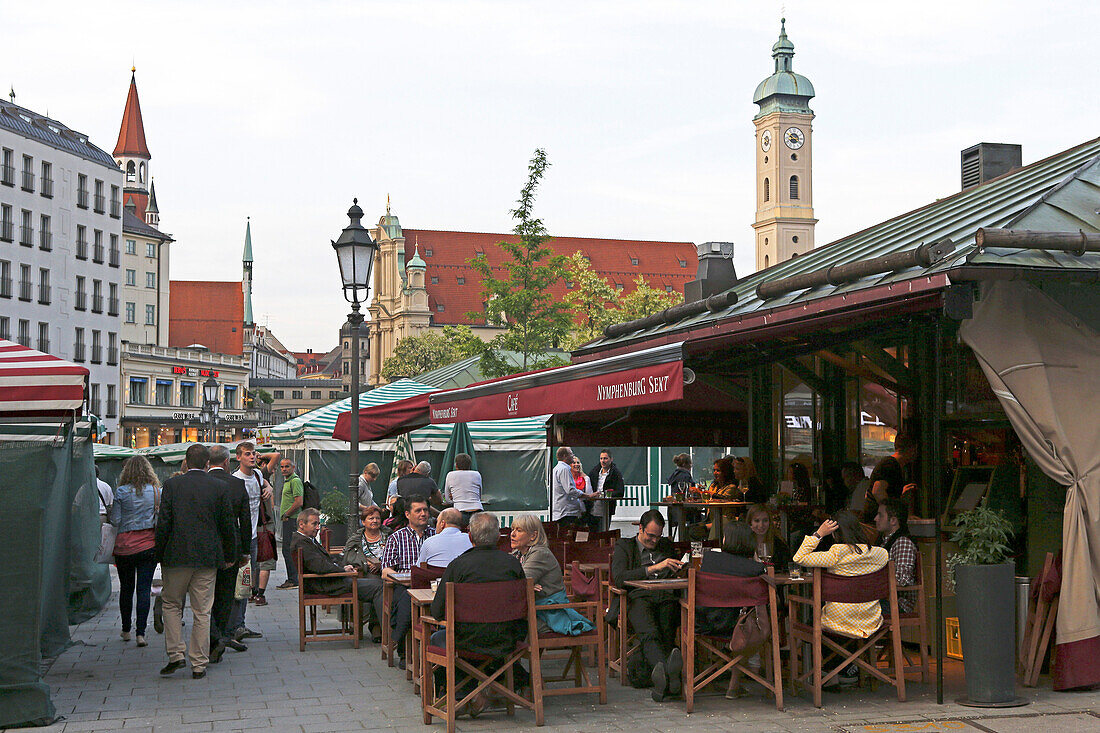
point(125, 635)
point(287, 585)
point(141, 640)
point(259, 600)
point(246, 633)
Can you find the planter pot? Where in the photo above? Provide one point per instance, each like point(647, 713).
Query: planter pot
point(986, 602)
point(337, 535)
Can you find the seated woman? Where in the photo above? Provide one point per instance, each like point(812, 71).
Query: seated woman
point(748, 483)
point(530, 545)
point(849, 555)
point(736, 558)
point(766, 540)
point(722, 488)
point(364, 547)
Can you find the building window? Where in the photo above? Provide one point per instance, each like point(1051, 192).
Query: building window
point(164, 392)
point(683, 263)
point(112, 348)
point(114, 251)
point(43, 337)
point(81, 294)
point(347, 367)
point(435, 280)
point(100, 199)
point(97, 296)
point(45, 235)
point(82, 191)
point(765, 262)
point(618, 286)
point(131, 170)
point(315, 394)
point(131, 277)
point(150, 279)
point(28, 175)
point(25, 283)
point(461, 281)
point(116, 204)
point(112, 299)
point(151, 250)
point(767, 190)
point(5, 279)
point(97, 348)
point(296, 394)
point(43, 286)
point(47, 180)
point(97, 246)
point(112, 404)
point(439, 307)
point(668, 288)
point(6, 224)
point(26, 231)
point(5, 328)
point(634, 261)
point(187, 394)
point(794, 188)
point(229, 398)
point(93, 399)
point(131, 247)
point(131, 312)
point(24, 332)
point(137, 390)
point(78, 345)
point(150, 315)
point(332, 394)
point(428, 252)
point(7, 171)
point(277, 394)
point(568, 284)
point(81, 242)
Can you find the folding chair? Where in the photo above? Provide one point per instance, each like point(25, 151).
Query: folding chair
point(593, 552)
point(420, 576)
point(917, 618)
point(307, 621)
point(497, 603)
point(709, 590)
point(593, 641)
point(831, 588)
point(621, 643)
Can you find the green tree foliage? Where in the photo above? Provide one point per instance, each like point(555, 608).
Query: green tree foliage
point(521, 302)
point(262, 395)
point(430, 350)
point(597, 304)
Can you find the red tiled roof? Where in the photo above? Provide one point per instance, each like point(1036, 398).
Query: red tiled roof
point(140, 200)
point(446, 255)
point(131, 136)
point(207, 313)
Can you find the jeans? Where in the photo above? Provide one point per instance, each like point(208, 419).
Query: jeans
point(135, 573)
point(400, 617)
point(289, 527)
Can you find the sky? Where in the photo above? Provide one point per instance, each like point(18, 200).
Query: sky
point(285, 111)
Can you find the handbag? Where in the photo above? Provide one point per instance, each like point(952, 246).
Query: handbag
point(583, 586)
point(105, 554)
point(265, 538)
point(751, 631)
point(243, 587)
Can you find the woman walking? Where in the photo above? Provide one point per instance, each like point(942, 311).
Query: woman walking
point(134, 513)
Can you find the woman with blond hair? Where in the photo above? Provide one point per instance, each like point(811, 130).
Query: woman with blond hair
point(531, 546)
point(134, 514)
point(766, 537)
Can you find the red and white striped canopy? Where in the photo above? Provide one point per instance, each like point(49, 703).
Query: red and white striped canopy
point(33, 384)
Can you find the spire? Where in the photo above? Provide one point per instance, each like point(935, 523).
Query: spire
point(151, 207)
point(387, 204)
point(416, 261)
point(131, 136)
point(784, 90)
point(247, 240)
point(246, 281)
point(783, 50)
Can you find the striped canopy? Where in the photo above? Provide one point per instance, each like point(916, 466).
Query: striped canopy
point(33, 384)
point(319, 424)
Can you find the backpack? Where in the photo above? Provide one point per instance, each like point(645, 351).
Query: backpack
point(311, 497)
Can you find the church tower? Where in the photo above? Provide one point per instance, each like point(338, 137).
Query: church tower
point(784, 191)
point(246, 275)
point(132, 154)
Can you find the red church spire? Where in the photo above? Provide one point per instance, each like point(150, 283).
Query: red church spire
point(131, 137)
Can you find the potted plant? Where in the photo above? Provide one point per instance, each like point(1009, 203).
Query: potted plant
point(984, 579)
point(334, 515)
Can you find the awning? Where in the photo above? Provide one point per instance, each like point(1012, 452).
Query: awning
point(385, 420)
point(641, 378)
point(33, 384)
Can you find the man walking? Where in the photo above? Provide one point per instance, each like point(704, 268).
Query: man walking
point(193, 530)
point(293, 491)
point(235, 497)
point(259, 490)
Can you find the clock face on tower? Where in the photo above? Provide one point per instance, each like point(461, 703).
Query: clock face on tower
point(766, 140)
point(794, 138)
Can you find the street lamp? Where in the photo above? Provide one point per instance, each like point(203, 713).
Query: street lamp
point(355, 252)
point(210, 404)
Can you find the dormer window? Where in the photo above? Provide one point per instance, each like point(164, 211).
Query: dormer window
point(428, 252)
point(435, 280)
point(668, 288)
point(461, 281)
point(439, 307)
point(634, 261)
point(683, 263)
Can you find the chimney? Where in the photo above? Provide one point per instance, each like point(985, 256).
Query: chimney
point(715, 274)
point(985, 161)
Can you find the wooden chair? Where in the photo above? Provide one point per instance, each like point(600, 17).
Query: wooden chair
point(594, 552)
point(496, 603)
point(621, 643)
point(708, 590)
point(831, 588)
point(592, 641)
point(917, 618)
point(420, 576)
point(307, 609)
point(1041, 615)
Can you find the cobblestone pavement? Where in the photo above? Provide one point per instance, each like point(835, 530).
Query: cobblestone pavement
point(105, 684)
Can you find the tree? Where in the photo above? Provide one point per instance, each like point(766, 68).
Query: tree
point(533, 319)
point(644, 300)
point(592, 298)
point(262, 395)
point(430, 350)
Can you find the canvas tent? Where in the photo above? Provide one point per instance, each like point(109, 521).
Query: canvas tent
point(48, 490)
point(511, 454)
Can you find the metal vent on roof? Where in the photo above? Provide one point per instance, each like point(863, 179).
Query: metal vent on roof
point(986, 161)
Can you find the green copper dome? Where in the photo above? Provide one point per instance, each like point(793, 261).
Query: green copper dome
point(416, 261)
point(784, 90)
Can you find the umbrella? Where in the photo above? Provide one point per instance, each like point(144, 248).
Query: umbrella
point(460, 442)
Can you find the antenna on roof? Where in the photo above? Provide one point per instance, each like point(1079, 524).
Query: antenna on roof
point(12, 95)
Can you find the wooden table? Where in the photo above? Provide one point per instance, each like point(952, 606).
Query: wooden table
point(421, 599)
point(659, 584)
point(713, 507)
point(404, 579)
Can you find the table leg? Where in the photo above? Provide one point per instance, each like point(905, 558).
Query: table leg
point(387, 606)
point(413, 668)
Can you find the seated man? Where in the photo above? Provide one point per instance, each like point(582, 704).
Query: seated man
point(317, 561)
point(483, 563)
point(448, 542)
point(654, 615)
point(400, 553)
point(892, 523)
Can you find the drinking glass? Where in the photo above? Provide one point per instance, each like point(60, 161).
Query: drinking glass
point(795, 571)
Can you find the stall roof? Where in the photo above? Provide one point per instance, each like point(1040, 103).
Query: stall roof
point(1058, 193)
point(34, 384)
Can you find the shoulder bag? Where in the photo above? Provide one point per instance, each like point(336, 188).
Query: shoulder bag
point(265, 538)
point(105, 554)
point(751, 631)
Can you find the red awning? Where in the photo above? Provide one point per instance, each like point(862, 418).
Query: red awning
point(386, 420)
point(33, 384)
point(641, 378)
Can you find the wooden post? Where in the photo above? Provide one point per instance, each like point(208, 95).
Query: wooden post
point(762, 435)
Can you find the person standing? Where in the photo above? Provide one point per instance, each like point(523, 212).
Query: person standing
point(607, 480)
point(235, 496)
point(259, 492)
point(193, 530)
point(134, 513)
point(291, 503)
point(366, 479)
point(888, 478)
point(404, 466)
point(462, 487)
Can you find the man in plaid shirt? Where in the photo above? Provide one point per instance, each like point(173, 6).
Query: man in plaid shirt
point(892, 522)
point(399, 554)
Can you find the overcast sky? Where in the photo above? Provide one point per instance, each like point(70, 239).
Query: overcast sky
point(283, 111)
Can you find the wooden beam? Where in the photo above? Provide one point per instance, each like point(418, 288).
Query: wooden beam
point(860, 370)
point(807, 375)
point(725, 386)
point(881, 359)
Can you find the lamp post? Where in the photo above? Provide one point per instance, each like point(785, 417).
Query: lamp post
point(355, 252)
point(210, 404)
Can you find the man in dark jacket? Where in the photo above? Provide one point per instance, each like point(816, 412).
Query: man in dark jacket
point(193, 532)
point(654, 615)
point(235, 496)
point(607, 480)
point(419, 482)
point(316, 561)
